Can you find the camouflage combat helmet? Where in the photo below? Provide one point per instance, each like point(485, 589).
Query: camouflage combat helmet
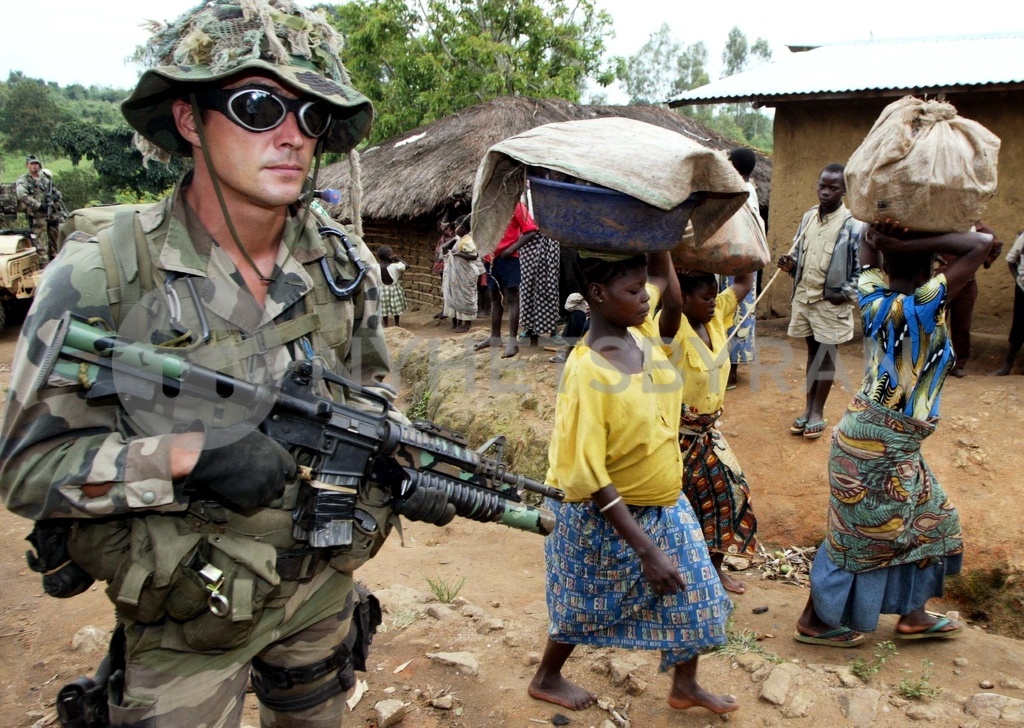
point(222, 39)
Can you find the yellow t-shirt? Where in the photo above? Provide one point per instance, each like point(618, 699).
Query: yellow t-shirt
point(705, 371)
point(617, 428)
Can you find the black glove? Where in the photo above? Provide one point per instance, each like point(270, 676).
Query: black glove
point(247, 473)
point(62, 577)
point(429, 505)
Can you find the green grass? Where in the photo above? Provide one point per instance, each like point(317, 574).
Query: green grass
point(866, 669)
point(446, 591)
point(419, 410)
point(919, 688)
point(398, 620)
point(742, 641)
point(13, 165)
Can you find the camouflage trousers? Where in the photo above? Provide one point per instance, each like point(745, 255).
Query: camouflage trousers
point(166, 688)
point(41, 237)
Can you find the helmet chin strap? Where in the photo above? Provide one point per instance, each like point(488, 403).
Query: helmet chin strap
point(201, 131)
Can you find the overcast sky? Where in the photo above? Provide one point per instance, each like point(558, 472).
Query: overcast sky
point(78, 41)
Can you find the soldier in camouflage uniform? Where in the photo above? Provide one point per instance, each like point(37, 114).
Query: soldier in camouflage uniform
point(36, 192)
point(253, 92)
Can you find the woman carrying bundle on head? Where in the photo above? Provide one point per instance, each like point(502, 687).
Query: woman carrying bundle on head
point(626, 565)
point(893, 535)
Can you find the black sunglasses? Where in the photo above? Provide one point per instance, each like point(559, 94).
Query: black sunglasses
point(258, 109)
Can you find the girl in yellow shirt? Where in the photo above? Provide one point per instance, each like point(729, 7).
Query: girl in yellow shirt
point(713, 481)
point(627, 565)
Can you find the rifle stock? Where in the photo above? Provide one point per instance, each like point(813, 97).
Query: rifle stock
point(344, 446)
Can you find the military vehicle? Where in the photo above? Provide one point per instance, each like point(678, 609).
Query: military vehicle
point(19, 273)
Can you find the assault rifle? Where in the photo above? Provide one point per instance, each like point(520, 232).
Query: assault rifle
point(342, 445)
point(53, 202)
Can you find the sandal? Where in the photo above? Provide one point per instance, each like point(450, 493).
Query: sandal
point(838, 637)
point(814, 430)
point(798, 426)
point(936, 631)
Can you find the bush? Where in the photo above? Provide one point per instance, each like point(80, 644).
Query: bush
point(80, 188)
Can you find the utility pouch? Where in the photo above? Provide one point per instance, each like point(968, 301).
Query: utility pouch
point(159, 547)
point(366, 618)
point(236, 579)
point(372, 520)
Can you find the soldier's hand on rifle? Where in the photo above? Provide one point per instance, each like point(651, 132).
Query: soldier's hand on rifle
point(428, 505)
point(246, 473)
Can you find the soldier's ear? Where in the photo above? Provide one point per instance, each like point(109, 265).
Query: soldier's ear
point(185, 122)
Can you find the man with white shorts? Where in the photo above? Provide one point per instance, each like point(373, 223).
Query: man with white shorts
point(824, 265)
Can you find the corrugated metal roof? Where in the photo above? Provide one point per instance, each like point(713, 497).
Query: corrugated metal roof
point(875, 67)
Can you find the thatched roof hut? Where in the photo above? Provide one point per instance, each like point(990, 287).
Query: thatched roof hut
point(424, 170)
point(411, 180)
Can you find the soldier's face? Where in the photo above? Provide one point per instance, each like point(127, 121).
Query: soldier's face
point(265, 168)
point(33, 168)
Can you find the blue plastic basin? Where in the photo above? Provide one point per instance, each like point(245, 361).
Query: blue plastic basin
point(597, 218)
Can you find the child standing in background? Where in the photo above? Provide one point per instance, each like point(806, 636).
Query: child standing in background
point(627, 565)
point(392, 295)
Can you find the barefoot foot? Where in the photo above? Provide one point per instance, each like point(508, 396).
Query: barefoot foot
point(730, 584)
point(511, 350)
point(701, 698)
point(560, 691)
point(494, 341)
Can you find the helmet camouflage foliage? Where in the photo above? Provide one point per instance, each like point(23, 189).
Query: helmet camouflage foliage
point(222, 39)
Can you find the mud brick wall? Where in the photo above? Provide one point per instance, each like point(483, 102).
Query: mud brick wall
point(414, 242)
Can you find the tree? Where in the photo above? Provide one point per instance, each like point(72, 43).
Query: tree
point(420, 63)
point(753, 125)
point(115, 158)
point(737, 52)
point(29, 115)
point(662, 68)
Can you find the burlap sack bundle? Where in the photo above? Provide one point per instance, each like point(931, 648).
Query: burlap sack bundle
point(738, 247)
point(925, 166)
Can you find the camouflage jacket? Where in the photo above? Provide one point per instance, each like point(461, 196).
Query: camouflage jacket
point(53, 441)
point(32, 191)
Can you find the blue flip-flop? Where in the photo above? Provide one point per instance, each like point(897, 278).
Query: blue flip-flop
point(936, 631)
point(814, 430)
point(798, 426)
point(828, 639)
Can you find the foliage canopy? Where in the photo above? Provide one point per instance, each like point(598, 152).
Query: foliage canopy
point(421, 62)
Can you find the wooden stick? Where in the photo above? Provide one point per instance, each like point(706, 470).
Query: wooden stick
point(753, 308)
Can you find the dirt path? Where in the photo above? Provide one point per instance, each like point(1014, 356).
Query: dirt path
point(502, 623)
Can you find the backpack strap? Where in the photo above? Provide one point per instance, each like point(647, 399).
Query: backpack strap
point(126, 260)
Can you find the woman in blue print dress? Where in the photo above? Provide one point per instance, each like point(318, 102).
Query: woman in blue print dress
point(893, 535)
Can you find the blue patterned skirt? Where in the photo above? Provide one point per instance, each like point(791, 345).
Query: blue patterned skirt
point(742, 348)
point(597, 593)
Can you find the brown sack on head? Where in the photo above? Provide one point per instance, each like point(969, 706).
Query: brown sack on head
point(738, 247)
point(924, 166)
